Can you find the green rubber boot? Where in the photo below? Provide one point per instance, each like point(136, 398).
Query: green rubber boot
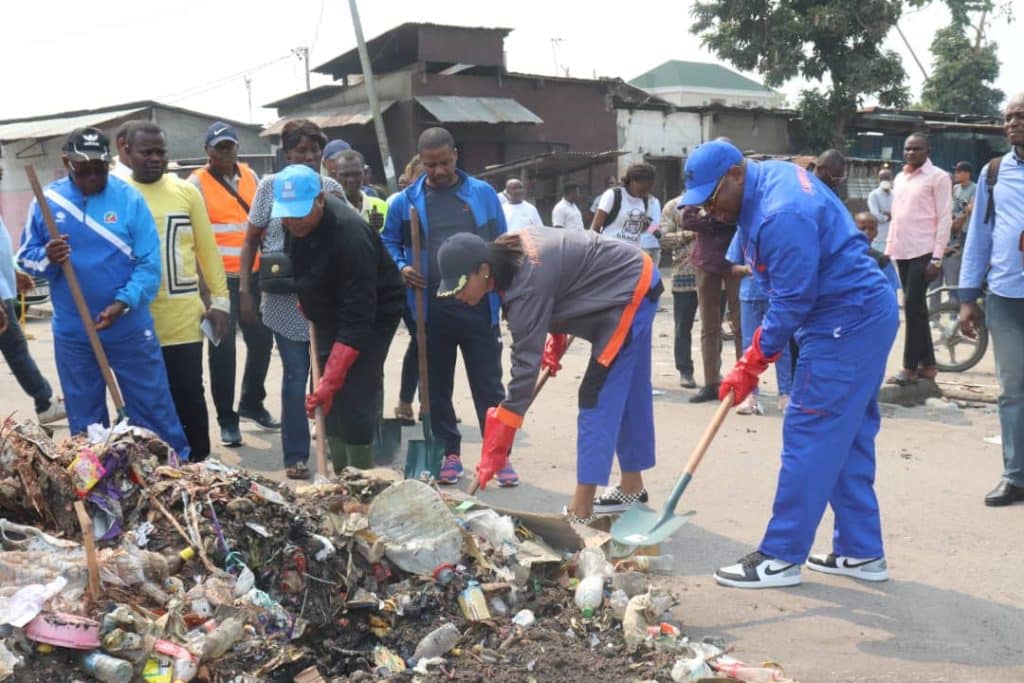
point(339, 453)
point(360, 457)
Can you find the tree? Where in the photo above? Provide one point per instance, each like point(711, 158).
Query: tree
point(836, 42)
point(963, 69)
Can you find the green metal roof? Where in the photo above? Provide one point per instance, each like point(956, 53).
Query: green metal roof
point(674, 73)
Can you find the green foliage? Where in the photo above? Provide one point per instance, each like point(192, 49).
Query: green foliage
point(837, 42)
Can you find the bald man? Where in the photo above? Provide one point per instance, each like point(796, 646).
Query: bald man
point(830, 168)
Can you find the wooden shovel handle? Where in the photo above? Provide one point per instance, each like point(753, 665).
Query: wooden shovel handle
point(321, 436)
point(76, 294)
point(421, 323)
point(709, 434)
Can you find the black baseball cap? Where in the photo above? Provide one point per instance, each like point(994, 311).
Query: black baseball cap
point(87, 144)
point(459, 256)
point(219, 132)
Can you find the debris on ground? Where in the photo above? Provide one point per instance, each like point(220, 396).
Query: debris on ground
point(179, 572)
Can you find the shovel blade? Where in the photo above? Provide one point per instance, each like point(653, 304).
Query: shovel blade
point(423, 460)
point(640, 525)
point(388, 442)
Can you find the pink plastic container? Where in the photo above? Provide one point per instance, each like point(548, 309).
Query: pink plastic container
point(64, 630)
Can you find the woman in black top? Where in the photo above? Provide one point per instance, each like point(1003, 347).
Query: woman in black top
point(351, 290)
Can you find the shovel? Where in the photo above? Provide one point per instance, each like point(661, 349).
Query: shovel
point(76, 293)
point(640, 525)
point(387, 438)
point(422, 458)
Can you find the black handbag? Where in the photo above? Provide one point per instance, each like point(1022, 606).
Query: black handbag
point(277, 275)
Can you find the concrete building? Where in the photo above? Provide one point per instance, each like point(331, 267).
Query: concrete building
point(695, 84)
point(37, 141)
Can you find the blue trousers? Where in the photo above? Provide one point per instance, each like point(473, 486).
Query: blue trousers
point(751, 315)
point(1005, 320)
point(19, 360)
point(294, 380)
point(138, 364)
point(617, 408)
point(828, 442)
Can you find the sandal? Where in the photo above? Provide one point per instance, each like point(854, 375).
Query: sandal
point(299, 470)
point(903, 378)
point(403, 411)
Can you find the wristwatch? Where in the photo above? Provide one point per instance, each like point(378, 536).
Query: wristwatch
point(936, 262)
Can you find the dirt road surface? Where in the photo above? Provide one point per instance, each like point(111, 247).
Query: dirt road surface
point(953, 610)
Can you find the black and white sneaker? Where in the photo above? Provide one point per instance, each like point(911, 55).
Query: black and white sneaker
point(757, 570)
point(617, 500)
point(865, 569)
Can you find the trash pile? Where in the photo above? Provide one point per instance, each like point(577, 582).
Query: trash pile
point(119, 564)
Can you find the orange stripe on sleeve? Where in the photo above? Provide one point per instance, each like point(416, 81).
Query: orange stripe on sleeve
point(643, 285)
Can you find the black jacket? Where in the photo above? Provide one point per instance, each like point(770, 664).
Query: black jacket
point(347, 283)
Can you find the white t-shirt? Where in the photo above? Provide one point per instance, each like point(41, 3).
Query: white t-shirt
point(521, 215)
point(629, 225)
point(567, 215)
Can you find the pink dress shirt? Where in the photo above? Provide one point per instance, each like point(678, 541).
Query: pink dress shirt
point(922, 212)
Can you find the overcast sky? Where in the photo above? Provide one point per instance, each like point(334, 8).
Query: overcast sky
point(61, 55)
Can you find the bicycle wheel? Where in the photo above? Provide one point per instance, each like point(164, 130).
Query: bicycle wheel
point(955, 352)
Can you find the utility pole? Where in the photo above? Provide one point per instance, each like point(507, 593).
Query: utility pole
point(555, 42)
point(248, 90)
point(371, 95)
point(303, 53)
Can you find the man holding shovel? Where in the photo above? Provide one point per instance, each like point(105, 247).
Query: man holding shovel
point(822, 286)
point(109, 236)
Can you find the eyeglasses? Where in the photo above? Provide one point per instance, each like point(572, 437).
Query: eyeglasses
point(89, 168)
point(714, 195)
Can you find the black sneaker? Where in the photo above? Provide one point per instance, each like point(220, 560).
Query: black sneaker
point(686, 380)
point(865, 569)
point(617, 500)
point(757, 570)
point(230, 436)
point(705, 394)
point(260, 416)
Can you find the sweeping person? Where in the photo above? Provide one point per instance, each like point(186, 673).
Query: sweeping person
point(822, 286)
point(350, 289)
point(555, 283)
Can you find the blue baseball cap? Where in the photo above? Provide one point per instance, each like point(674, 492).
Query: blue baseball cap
point(705, 168)
point(295, 188)
point(459, 257)
point(336, 147)
point(219, 132)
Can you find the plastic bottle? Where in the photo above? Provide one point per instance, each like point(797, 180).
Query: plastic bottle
point(107, 669)
point(498, 607)
point(438, 642)
point(590, 594)
point(474, 603)
point(221, 639)
point(590, 562)
point(176, 562)
point(649, 564)
point(618, 602)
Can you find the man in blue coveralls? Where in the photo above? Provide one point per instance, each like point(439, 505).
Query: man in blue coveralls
point(844, 316)
point(109, 235)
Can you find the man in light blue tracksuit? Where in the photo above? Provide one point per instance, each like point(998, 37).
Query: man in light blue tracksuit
point(822, 287)
point(109, 236)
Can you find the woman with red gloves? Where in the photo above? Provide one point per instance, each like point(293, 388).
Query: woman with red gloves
point(563, 282)
point(351, 290)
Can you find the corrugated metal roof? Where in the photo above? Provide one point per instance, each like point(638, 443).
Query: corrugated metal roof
point(48, 128)
point(553, 163)
point(352, 115)
point(677, 73)
point(451, 109)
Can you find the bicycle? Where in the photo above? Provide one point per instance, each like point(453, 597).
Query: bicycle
point(954, 351)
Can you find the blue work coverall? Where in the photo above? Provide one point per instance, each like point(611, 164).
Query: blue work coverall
point(824, 288)
point(115, 251)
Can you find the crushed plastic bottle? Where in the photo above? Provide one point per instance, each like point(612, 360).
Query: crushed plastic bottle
point(648, 564)
point(498, 607)
point(524, 618)
point(591, 562)
point(618, 602)
point(107, 669)
point(590, 594)
point(438, 642)
point(222, 639)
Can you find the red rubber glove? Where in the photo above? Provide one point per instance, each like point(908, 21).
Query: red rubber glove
point(554, 349)
point(499, 433)
point(338, 363)
point(744, 376)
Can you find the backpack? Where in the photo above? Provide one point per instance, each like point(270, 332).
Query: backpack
point(990, 185)
point(617, 206)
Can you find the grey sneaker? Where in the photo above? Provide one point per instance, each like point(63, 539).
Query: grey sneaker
point(54, 413)
point(865, 569)
point(230, 436)
point(757, 570)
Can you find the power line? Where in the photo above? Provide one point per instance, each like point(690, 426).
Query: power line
point(210, 85)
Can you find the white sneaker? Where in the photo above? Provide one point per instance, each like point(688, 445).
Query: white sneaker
point(54, 413)
point(865, 569)
point(757, 570)
point(750, 406)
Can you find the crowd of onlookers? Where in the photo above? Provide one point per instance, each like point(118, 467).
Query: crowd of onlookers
point(194, 259)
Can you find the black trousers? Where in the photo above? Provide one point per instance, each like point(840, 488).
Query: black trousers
point(452, 326)
point(356, 408)
point(185, 376)
point(410, 361)
point(684, 309)
point(918, 350)
point(259, 342)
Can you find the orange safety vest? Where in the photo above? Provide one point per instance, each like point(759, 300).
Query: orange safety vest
point(228, 217)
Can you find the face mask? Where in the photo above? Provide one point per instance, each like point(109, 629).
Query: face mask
point(885, 185)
